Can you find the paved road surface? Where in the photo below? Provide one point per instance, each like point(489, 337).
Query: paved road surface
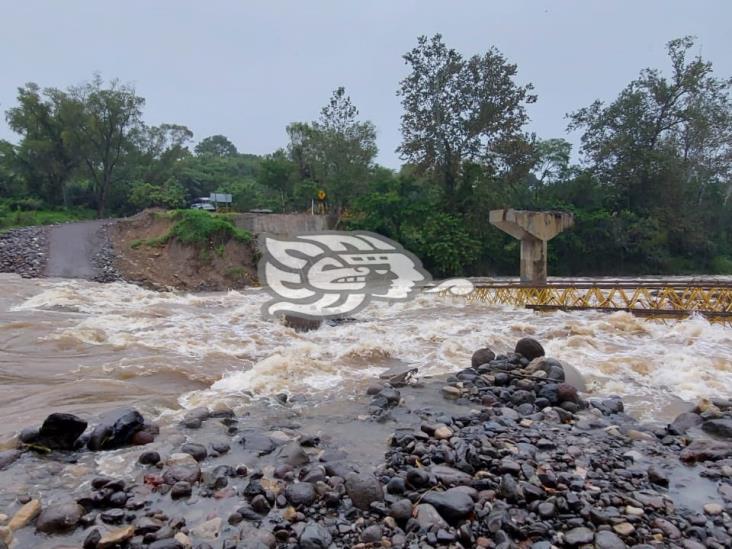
point(71, 249)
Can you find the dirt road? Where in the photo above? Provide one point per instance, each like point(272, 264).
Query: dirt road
point(72, 247)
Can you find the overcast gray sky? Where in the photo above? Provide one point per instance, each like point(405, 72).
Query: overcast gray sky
point(247, 69)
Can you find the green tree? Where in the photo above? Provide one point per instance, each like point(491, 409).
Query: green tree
point(458, 110)
point(109, 121)
point(277, 173)
point(216, 145)
point(552, 160)
point(336, 151)
point(661, 131)
point(146, 195)
point(46, 156)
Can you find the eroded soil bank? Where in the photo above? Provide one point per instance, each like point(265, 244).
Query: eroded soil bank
point(140, 259)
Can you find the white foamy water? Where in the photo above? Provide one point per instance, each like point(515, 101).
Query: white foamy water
point(197, 349)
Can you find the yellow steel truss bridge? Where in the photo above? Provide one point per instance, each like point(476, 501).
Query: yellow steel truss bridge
point(661, 298)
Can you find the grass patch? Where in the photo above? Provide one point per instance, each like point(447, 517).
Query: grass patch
point(235, 273)
point(19, 218)
point(206, 231)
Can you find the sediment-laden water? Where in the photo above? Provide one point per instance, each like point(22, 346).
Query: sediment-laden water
point(84, 347)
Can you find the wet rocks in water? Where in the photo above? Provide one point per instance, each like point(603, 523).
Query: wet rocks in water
point(8, 457)
point(482, 356)
point(300, 324)
point(718, 427)
point(58, 432)
point(25, 515)
point(706, 450)
point(59, 518)
point(197, 451)
point(115, 537)
point(115, 430)
point(181, 489)
point(657, 476)
point(194, 418)
point(149, 458)
point(529, 348)
point(685, 421)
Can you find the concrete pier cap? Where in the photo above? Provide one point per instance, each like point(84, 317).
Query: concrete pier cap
point(534, 230)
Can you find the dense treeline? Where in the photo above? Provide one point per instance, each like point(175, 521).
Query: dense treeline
point(651, 193)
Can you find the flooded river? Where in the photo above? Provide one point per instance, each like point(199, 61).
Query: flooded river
point(84, 347)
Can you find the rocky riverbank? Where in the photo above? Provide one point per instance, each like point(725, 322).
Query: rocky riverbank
point(24, 251)
point(508, 455)
point(104, 258)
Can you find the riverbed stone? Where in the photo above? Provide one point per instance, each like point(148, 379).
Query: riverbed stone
point(181, 489)
point(315, 536)
point(8, 457)
point(195, 450)
point(149, 458)
point(116, 537)
point(706, 450)
point(482, 356)
point(579, 536)
point(718, 427)
point(364, 489)
point(450, 392)
point(25, 515)
point(529, 348)
point(452, 504)
point(428, 517)
point(608, 540)
point(115, 429)
point(713, 509)
point(209, 529)
point(60, 431)
point(300, 493)
point(685, 421)
point(59, 518)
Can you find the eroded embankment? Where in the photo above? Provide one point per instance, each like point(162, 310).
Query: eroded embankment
point(185, 250)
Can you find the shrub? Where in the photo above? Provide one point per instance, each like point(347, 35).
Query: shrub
point(201, 229)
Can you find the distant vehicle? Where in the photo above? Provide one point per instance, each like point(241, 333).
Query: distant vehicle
point(203, 203)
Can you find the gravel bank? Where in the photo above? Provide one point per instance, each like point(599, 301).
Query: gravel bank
point(24, 251)
point(525, 462)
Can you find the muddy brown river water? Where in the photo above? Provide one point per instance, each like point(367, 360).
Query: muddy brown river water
point(84, 347)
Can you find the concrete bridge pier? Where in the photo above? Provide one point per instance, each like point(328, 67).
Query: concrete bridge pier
point(534, 230)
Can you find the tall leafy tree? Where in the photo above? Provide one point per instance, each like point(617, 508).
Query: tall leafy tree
point(277, 173)
point(552, 160)
point(216, 145)
point(46, 156)
point(661, 131)
point(108, 122)
point(458, 110)
point(336, 151)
